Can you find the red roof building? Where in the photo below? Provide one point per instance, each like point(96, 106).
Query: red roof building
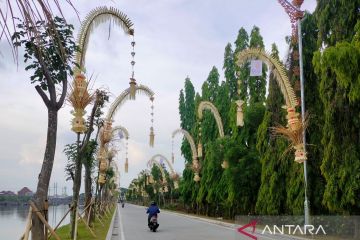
point(25, 192)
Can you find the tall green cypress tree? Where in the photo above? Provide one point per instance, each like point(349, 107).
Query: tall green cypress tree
point(209, 93)
point(223, 103)
point(242, 72)
point(338, 68)
point(336, 20)
point(187, 122)
point(257, 85)
point(272, 192)
point(229, 70)
point(314, 106)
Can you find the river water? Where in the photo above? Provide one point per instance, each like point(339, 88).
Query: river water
point(13, 219)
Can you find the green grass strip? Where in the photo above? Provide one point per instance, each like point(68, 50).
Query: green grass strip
point(83, 233)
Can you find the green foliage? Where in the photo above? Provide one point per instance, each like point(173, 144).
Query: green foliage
point(338, 70)
point(272, 193)
point(257, 85)
point(70, 151)
point(336, 20)
point(210, 92)
point(54, 57)
point(242, 72)
point(229, 70)
point(314, 106)
point(156, 173)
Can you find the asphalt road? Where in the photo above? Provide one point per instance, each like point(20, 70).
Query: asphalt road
point(131, 224)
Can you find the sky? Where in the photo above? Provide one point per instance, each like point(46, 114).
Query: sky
point(174, 39)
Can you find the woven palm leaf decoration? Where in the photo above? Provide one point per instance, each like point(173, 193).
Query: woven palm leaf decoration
point(205, 105)
point(96, 17)
point(296, 126)
point(195, 162)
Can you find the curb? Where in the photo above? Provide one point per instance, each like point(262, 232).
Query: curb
point(111, 227)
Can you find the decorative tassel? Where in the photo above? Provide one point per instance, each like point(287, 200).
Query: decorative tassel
point(300, 154)
point(152, 137)
point(199, 150)
point(127, 165)
point(151, 179)
point(132, 88)
point(225, 164)
point(239, 114)
point(196, 177)
point(239, 118)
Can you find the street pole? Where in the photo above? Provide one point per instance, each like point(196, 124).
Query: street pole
point(306, 202)
point(76, 203)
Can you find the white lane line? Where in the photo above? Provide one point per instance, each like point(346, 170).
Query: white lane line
point(121, 226)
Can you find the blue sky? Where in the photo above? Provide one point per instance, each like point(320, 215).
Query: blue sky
point(174, 39)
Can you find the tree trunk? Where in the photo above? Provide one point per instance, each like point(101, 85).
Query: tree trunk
point(76, 190)
point(37, 230)
point(88, 187)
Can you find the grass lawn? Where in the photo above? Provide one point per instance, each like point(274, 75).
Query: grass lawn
point(83, 233)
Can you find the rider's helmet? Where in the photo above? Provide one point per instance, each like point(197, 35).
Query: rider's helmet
point(153, 203)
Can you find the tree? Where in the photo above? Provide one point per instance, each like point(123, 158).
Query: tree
point(229, 69)
point(210, 88)
point(338, 68)
point(51, 61)
point(188, 123)
point(242, 72)
point(26, 10)
point(257, 85)
point(85, 151)
point(272, 193)
point(314, 106)
point(336, 20)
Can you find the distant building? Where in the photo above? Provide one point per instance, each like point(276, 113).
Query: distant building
point(25, 192)
point(7, 193)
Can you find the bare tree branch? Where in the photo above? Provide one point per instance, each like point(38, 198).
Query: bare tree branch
point(63, 94)
point(43, 96)
point(91, 127)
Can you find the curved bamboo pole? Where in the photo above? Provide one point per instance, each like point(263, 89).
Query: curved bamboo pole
point(276, 67)
point(205, 105)
point(122, 129)
point(93, 19)
point(173, 174)
point(189, 138)
point(152, 162)
point(166, 160)
point(294, 132)
point(195, 160)
point(124, 96)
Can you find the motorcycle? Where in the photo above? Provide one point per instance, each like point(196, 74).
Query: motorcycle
point(153, 225)
point(122, 205)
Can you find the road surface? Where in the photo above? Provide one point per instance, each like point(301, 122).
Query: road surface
point(131, 224)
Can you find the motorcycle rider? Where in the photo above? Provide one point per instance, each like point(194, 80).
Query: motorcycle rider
point(153, 210)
